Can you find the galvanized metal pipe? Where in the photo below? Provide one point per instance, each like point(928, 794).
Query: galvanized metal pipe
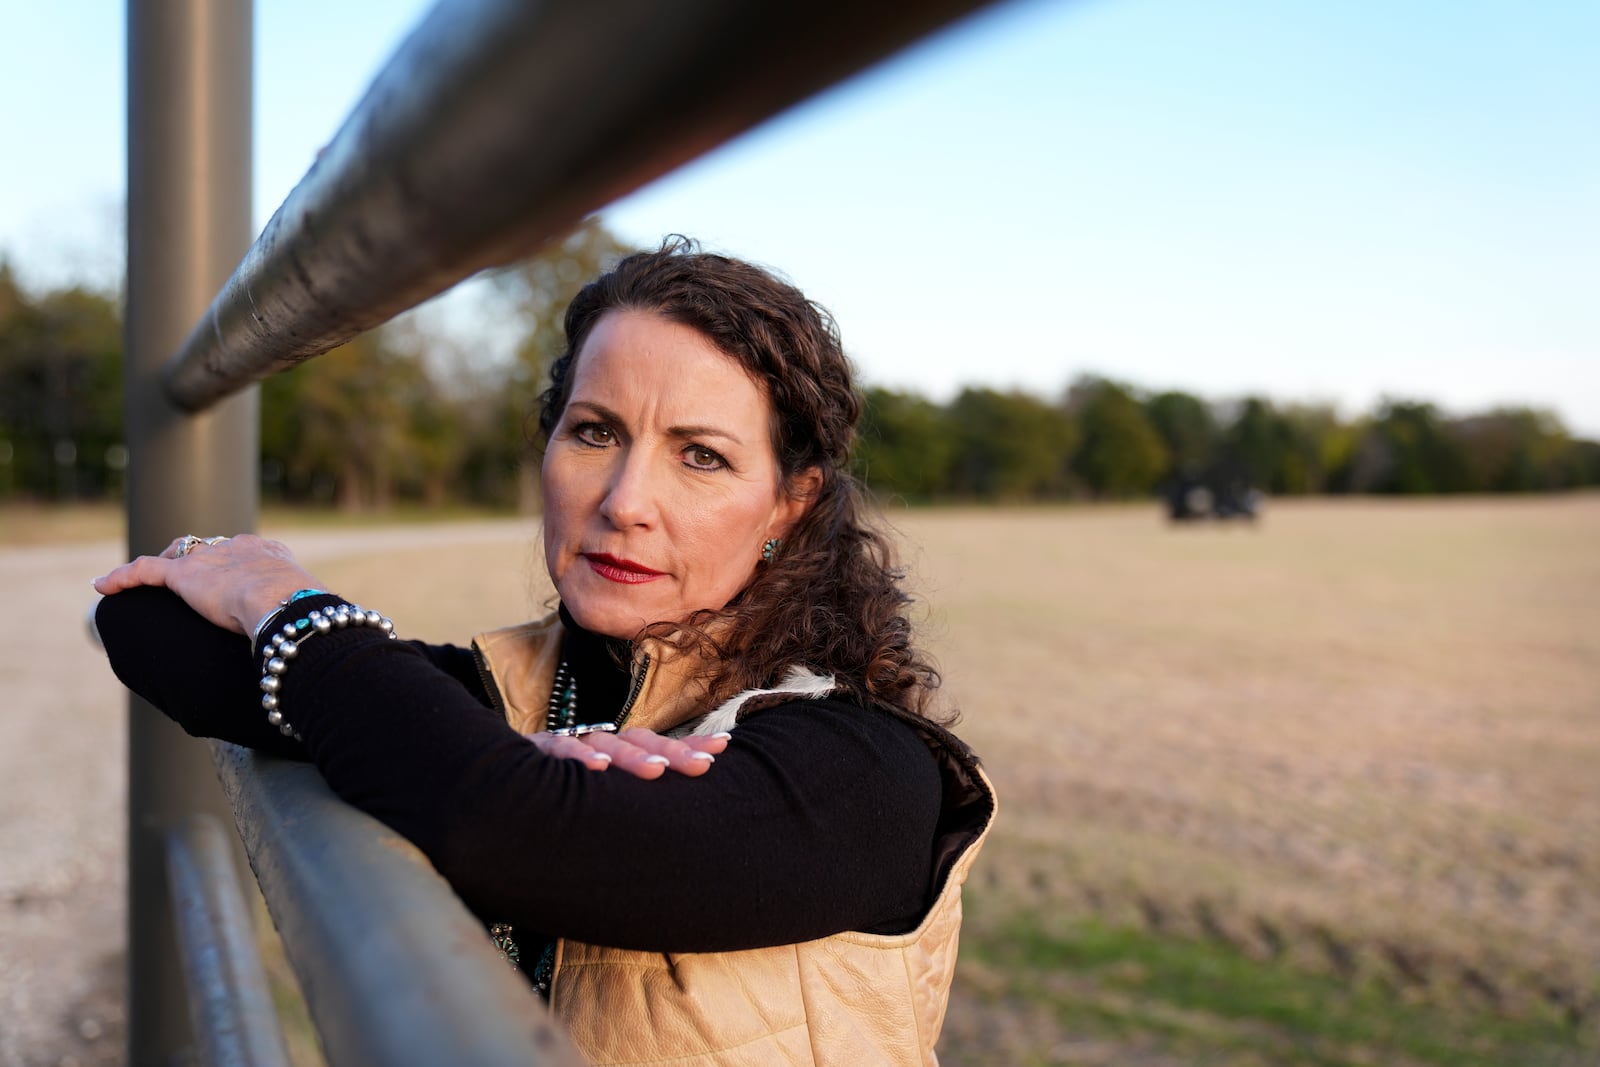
point(230, 1003)
point(497, 125)
point(189, 143)
point(394, 969)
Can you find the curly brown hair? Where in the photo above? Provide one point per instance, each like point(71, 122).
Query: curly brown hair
point(832, 598)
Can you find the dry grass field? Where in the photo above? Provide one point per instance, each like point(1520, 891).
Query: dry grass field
point(1321, 790)
point(1356, 745)
point(1360, 740)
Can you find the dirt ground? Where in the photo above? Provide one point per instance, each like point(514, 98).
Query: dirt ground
point(1375, 722)
point(63, 778)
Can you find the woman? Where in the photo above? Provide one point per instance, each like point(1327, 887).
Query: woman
point(723, 598)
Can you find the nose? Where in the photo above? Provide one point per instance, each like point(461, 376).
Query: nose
point(632, 495)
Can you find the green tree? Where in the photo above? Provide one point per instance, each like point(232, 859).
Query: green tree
point(1515, 450)
point(338, 426)
point(1408, 450)
point(60, 391)
point(1254, 442)
point(1008, 446)
point(1121, 454)
point(1187, 428)
point(906, 447)
point(1584, 462)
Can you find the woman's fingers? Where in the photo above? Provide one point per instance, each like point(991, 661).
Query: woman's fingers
point(673, 747)
point(573, 748)
point(715, 744)
point(641, 753)
point(664, 753)
point(232, 581)
point(142, 570)
point(625, 756)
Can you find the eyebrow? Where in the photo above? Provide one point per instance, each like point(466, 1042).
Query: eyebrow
point(680, 432)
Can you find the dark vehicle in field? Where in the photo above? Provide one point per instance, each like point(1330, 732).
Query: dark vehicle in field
point(1213, 497)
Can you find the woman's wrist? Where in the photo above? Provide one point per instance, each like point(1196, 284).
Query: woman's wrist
point(279, 608)
point(281, 647)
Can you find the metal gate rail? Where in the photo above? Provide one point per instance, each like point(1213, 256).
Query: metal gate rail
point(393, 967)
point(497, 125)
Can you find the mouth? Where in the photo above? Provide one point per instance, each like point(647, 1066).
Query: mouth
point(624, 571)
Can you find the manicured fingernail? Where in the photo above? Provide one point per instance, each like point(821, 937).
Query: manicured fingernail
point(603, 757)
point(97, 581)
point(703, 757)
point(721, 735)
point(656, 759)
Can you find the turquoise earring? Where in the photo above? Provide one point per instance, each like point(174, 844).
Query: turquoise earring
point(770, 549)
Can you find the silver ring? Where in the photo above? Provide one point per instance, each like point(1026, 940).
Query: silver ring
point(586, 728)
point(190, 542)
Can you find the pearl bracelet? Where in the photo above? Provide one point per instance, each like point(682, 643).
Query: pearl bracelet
point(285, 646)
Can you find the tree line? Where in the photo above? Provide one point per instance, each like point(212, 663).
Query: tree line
point(385, 420)
point(1107, 440)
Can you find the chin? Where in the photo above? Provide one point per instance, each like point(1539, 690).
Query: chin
point(608, 620)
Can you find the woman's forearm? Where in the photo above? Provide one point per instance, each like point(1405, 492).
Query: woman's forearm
point(816, 819)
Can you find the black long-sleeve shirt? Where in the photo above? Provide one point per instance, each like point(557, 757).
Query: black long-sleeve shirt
point(818, 818)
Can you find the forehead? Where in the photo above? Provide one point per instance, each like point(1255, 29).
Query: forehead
point(648, 363)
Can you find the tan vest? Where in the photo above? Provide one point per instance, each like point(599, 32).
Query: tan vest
point(850, 999)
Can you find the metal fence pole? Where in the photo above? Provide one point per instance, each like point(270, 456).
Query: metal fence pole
point(189, 150)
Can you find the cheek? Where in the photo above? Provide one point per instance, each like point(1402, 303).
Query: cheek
point(726, 544)
point(559, 504)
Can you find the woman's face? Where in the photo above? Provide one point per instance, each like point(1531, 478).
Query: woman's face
point(660, 482)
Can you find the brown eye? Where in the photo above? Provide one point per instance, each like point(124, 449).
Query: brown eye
point(702, 458)
point(594, 433)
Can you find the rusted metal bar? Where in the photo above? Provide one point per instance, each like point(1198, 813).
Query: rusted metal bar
point(499, 124)
point(394, 969)
point(230, 1003)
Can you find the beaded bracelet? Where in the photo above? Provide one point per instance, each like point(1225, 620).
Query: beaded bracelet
point(261, 624)
point(285, 646)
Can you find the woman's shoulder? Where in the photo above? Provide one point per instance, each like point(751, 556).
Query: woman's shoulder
point(805, 699)
point(876, 747)
point(798, 685)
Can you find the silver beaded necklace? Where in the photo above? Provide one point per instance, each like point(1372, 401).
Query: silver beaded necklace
point(562, 711)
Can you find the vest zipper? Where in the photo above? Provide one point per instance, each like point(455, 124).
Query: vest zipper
point(640, 672)
point(486, 676)
point(500, 934)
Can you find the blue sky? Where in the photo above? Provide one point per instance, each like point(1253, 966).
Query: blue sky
point(1313, 200)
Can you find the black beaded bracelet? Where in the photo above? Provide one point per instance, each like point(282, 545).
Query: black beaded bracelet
point(285, 646)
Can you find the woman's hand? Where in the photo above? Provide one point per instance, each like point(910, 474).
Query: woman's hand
point(642, 753)
point(233, 582)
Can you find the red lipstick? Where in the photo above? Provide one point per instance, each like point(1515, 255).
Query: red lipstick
point(625, 571)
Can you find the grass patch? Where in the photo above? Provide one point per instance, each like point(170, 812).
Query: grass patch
point(1205, 1002)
